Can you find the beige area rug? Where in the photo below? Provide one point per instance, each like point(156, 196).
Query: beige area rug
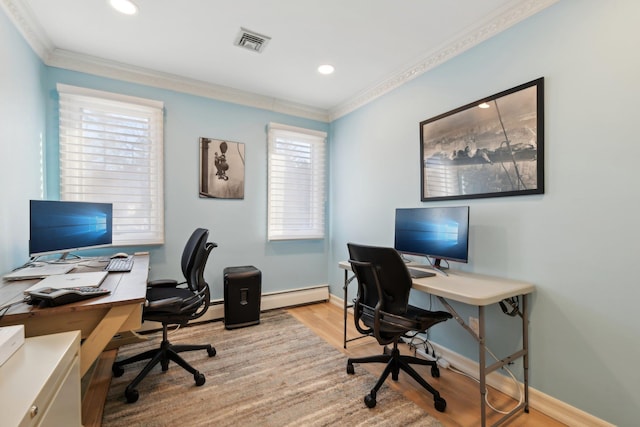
point(277, 373)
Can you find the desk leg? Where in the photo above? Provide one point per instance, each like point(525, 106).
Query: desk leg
point(525, 357)
point(345, 287)
point(96, 342)
point(483, 365)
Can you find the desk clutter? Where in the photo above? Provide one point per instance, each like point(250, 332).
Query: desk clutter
point(52, 297)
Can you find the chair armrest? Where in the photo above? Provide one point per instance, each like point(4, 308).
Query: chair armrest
point(172, 304)
point(162, 283)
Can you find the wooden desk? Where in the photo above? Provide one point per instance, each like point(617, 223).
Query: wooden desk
point(480, 291)
point(97, 319)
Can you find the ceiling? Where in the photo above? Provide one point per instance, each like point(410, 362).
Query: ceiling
point(188, 45)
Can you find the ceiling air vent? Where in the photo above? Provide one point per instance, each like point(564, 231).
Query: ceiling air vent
point(252, 41)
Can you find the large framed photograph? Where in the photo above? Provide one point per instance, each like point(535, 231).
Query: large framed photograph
point(493, 147)
point(221, 169)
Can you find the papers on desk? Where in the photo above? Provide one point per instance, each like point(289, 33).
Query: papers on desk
point(39, 272)
point(91, 279)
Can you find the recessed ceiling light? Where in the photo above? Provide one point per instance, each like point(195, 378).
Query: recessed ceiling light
point(484, 105)
point(326, 69)
point(124, 6)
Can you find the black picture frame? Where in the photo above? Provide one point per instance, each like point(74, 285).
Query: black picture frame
point(493, 147)
point(221, 169)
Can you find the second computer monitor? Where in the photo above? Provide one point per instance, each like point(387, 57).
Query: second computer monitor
point(441, 233)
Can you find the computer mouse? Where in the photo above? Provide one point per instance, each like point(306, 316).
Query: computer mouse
point(120, 255)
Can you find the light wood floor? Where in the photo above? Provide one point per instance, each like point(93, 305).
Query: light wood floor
point(326, 320)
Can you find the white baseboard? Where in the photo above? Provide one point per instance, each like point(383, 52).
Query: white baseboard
point(538, 400)
point(269, 301)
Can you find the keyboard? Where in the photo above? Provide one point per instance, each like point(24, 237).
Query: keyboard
point(418, 274)
point(119, 265)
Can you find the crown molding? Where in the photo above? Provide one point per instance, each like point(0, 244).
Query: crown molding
point(508, 17)
point(30, 29)
point(22, 18)
point(110, 69)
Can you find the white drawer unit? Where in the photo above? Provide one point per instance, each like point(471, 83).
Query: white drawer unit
point(40, 383)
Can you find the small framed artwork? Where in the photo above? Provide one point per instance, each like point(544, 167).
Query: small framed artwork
point(221, 169)
point(492, 147)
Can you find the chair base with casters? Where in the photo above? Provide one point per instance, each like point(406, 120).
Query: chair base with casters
point(396, 362)
point(167, 352)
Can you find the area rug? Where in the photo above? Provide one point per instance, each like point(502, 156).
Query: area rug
point(276, 373)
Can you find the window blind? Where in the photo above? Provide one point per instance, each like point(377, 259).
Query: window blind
point(296, 183)
point(111, 150)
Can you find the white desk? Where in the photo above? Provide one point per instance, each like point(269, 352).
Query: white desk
point(479, 291)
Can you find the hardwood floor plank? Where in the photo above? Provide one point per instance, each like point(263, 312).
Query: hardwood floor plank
point(96, 393)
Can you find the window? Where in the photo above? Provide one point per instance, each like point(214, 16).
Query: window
point(296, 187)
point(111, 150)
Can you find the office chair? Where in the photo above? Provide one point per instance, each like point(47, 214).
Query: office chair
point(173, 303)
point(382, 309)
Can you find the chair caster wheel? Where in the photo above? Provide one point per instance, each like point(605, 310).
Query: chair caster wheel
point(440, 404)
point(200, 379)
point(131, 395)
point(211, 351)
point(117, 370)
point(435, 372)
point(370, 400)
point(350, 369)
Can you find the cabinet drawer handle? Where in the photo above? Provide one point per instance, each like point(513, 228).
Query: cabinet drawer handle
point(33, 411)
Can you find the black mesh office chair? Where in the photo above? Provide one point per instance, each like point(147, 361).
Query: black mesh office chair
point(382, 309)
point(173, 303)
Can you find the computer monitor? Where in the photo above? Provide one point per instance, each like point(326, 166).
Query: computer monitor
point(441, 233)
point(61, 227)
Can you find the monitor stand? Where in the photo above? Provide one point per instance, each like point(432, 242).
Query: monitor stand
point(436, 266)
point(429, 266)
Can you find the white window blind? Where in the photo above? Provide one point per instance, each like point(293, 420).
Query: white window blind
point(111, 150)
point(296, 183)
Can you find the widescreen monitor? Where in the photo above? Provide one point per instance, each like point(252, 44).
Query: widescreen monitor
point(61, 226)
point(441, 233)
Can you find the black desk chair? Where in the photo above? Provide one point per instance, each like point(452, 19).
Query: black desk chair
point(173, 303)
point(381, 272)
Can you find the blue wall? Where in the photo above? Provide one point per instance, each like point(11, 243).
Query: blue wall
point(22, 134)
point(238, 226)
point(578, 243)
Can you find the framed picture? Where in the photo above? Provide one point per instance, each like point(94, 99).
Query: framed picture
point(221, 169)
point(493, 147)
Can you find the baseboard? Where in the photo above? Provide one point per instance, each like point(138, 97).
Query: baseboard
point(269, 301)
point(538, 400)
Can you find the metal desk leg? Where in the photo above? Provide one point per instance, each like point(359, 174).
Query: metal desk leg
point(525, 347)
point(483, 365)
point(348, 280)
point(345, 287)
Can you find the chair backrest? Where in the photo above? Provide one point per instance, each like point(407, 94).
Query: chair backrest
point(384, 268)
point(194, 260)
point(194, 257)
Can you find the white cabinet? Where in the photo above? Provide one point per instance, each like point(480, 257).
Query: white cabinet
point(40, 383)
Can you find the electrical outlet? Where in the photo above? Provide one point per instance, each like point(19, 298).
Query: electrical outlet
point(473, 324)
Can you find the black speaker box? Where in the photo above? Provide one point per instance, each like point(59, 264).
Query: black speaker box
point(242, 294)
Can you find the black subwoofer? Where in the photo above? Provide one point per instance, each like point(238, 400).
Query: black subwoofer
point(242, 294)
